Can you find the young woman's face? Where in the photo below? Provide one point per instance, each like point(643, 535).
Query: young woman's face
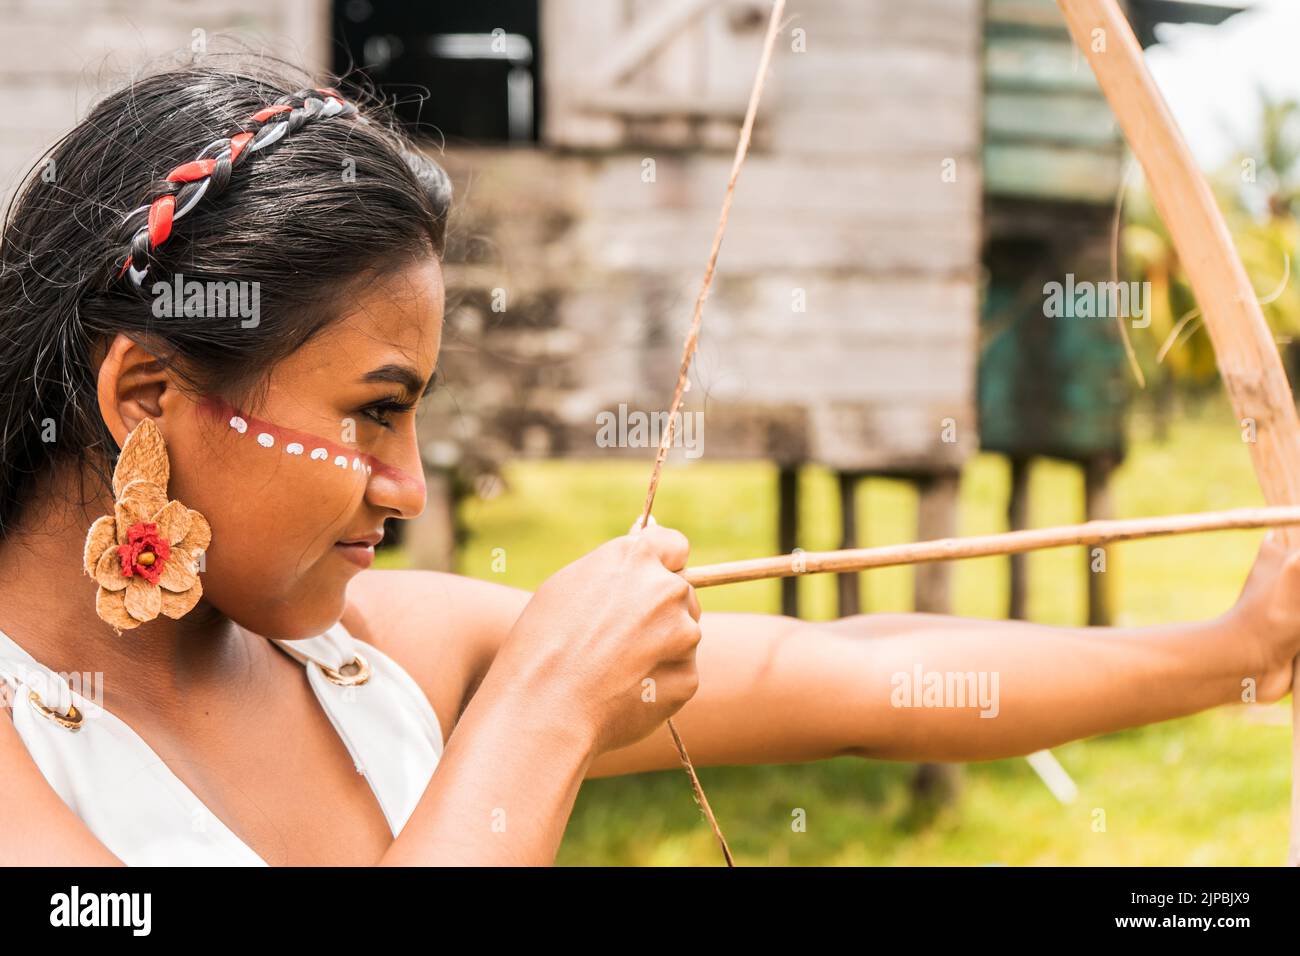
point(297, 490)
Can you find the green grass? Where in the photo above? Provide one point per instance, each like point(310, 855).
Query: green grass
point(1211, 789)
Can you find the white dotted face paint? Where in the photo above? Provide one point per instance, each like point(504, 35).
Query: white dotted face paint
point(267, 439)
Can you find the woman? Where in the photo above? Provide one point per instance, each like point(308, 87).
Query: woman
point(208, 746)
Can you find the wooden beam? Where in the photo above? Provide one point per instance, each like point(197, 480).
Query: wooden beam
point(652, 104)
point(646, 36)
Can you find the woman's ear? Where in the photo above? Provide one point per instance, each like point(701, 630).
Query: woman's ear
point(133, 385)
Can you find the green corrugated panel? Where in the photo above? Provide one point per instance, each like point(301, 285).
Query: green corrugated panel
point(1048, 131)
point(1052, 172)
point(1049, 386)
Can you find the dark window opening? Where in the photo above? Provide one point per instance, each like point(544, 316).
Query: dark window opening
point(470, 71)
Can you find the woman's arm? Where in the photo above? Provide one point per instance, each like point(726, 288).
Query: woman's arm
point(36, 827)
point(778, 690)
point(566, 683)
point(775, 689)
point(509, 809)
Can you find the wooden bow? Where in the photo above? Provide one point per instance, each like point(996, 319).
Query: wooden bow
point(1243, 345)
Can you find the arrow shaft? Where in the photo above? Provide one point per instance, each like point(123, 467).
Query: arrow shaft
point(983, 546)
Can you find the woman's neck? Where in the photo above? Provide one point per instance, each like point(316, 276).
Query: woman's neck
point(170, 668)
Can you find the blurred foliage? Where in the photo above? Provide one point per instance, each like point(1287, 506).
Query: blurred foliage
point(1259, 193)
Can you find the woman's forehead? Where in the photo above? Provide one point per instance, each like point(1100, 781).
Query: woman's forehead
point(399, 313)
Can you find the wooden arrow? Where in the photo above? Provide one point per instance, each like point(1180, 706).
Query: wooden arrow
point(983, 546)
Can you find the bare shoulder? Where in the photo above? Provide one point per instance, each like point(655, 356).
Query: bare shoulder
point(443, 629)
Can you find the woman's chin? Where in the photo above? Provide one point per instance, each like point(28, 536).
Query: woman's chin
point(294, 620)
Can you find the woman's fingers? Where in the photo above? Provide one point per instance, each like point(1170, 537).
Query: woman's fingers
point(669, 545)
point(673, 549)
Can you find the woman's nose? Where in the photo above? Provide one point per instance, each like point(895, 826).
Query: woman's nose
point(399, 485)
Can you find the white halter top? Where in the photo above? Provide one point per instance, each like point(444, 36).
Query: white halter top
point(144, 814)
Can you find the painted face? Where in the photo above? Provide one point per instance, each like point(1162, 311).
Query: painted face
point(297, 490)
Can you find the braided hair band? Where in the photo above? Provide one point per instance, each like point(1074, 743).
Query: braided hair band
point(210, 171)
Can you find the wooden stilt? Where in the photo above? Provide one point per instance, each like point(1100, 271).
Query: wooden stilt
point(935, 784)
point(1098, 507)
point(788, 531)
point(431, 537)
point(936, 518)
point(848, 583)
point(1018, 519)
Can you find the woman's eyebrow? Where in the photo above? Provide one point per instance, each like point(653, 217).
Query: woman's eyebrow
point(403, 375)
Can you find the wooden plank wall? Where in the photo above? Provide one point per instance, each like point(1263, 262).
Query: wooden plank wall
point(60, 56)
point(844, 201)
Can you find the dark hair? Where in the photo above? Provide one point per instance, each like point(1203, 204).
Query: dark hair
point(288, 219)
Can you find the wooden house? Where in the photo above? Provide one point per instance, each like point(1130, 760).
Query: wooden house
point(917, 169)
point(842, 327)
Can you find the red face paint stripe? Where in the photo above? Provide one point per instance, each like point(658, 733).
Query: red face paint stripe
point(222, 411)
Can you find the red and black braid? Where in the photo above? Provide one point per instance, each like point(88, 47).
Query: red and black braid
point(146, 228)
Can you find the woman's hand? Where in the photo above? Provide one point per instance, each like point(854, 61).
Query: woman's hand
point(610, 639)
point(1267, 616)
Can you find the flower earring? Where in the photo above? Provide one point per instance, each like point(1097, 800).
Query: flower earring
point(143, 556)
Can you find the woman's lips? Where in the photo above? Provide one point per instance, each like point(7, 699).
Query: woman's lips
point(359, 553)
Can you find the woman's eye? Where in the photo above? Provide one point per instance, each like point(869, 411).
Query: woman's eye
point(380, 411)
